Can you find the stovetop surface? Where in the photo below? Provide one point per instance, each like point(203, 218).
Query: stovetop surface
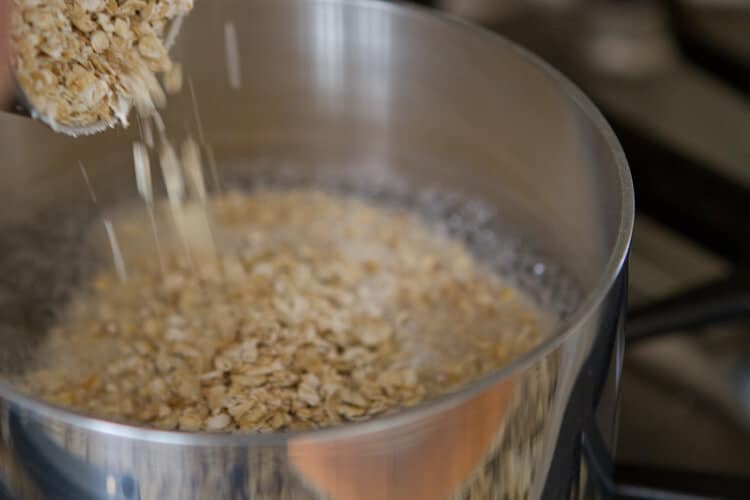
point(679, 99)
point(686, 397)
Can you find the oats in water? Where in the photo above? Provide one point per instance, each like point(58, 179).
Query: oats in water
point(325, 309)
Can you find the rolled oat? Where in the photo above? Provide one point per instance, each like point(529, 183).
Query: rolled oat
point(82, 62)
point(325, 310)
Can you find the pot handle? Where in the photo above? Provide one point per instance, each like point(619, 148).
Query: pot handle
point(724, 299)
point(638, 482)
point(721, 300)
point(59, 474)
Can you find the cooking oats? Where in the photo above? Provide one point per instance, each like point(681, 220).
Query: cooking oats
point(326, 309)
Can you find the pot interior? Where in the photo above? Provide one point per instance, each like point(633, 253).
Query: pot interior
point(363, 98)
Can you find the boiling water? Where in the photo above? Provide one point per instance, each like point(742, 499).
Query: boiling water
point(48, 263)
point(474, 222)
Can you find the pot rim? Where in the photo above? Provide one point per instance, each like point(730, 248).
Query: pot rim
point(589, 305)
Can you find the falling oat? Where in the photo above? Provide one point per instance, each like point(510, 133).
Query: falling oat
point(232, 52)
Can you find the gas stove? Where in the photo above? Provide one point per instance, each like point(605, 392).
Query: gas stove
point(674, 79)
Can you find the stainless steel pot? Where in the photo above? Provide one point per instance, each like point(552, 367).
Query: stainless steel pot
point(360, 89)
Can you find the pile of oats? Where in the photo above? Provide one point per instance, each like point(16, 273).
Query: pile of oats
point(318, 309)
point(82, 62)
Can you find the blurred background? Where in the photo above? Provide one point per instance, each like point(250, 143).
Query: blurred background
point(673, 78)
